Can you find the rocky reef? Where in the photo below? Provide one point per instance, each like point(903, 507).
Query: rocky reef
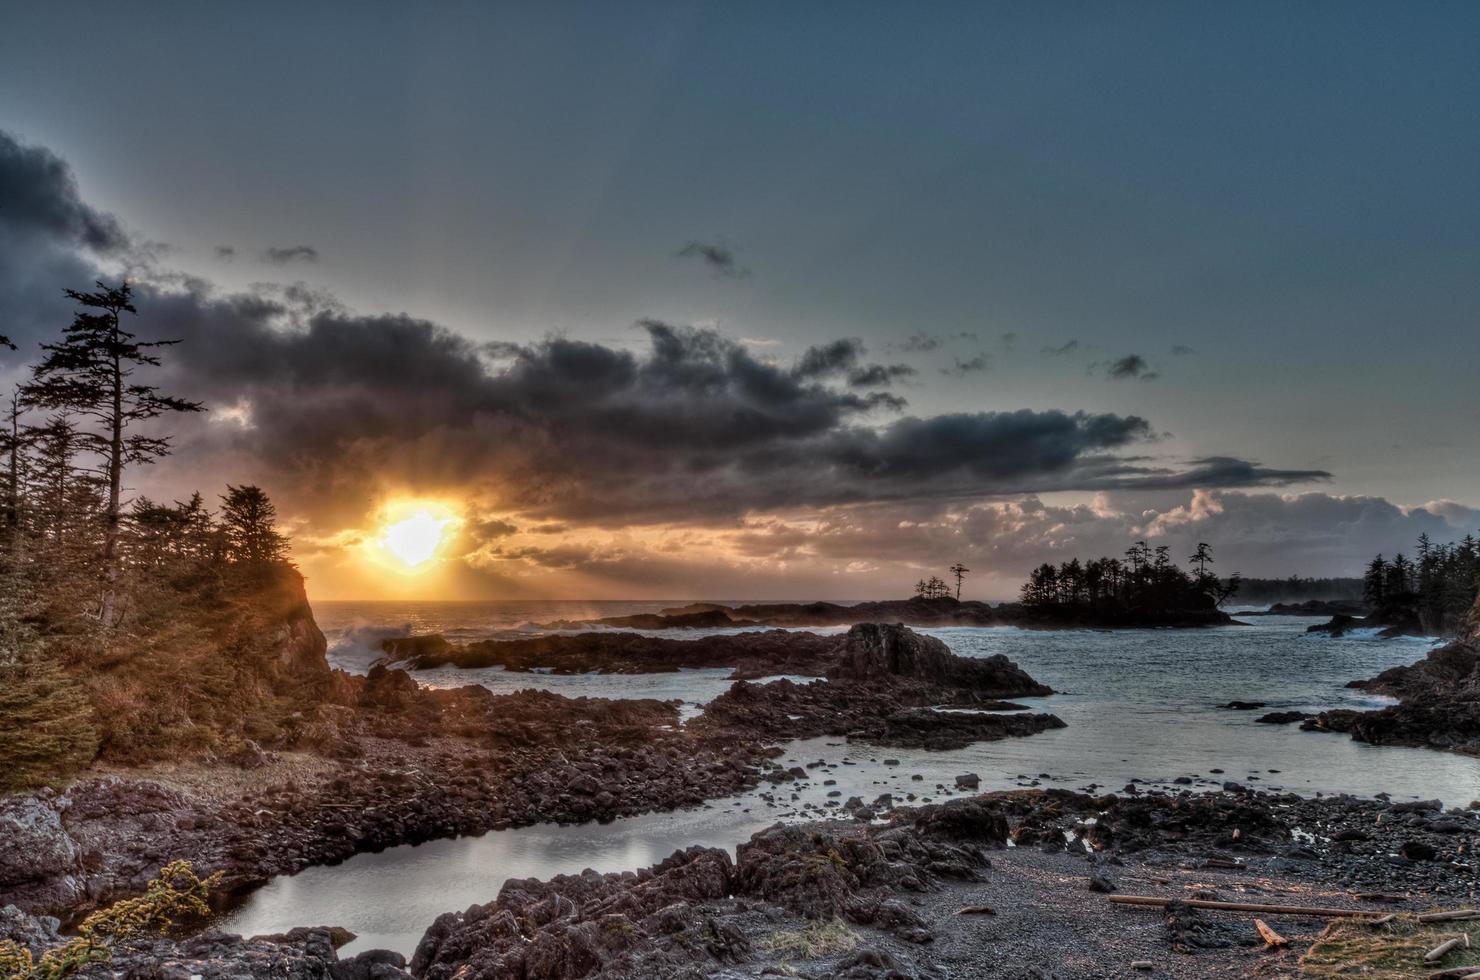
point(917, 611)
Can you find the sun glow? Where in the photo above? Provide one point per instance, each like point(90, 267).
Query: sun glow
point(412, 532)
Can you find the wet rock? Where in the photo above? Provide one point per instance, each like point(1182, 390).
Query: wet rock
point(1283, 717)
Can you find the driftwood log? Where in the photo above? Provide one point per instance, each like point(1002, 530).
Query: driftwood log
point(1271, 938)
point(1440, 951)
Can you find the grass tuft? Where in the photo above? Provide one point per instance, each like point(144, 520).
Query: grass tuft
point(1351, 948)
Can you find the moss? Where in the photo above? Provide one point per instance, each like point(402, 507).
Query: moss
point(817, 939)
point(1394, 951)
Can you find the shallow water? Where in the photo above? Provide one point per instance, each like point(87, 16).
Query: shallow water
point(1141, 704)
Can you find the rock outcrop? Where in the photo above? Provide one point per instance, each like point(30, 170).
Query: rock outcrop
point(1439, 700)
point(697, 910)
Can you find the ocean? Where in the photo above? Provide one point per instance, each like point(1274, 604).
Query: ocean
point(1139, 704)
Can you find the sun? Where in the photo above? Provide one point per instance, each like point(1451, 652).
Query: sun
point(411, 532)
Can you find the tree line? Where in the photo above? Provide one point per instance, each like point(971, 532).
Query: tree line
point(1146, 579)
point(73, 429)
point(105, 600)
point(1433, 590)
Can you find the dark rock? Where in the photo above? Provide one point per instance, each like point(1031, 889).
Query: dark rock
point(1283, 717)
point(1417, 850)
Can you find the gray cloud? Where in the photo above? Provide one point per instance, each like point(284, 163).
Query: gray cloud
point(1130, 366)
point(845, 358)
point(326, 405)
point(287, 255)
point(718, 258)
point(38, 193)
point(973, 365)
point(48, 238)
point(825, 360)
point(1182, 350)
point(1067, 347)
point(879, 375)
point(225, 253)
point(918, 342)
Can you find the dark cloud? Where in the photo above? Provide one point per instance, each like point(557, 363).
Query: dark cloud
point(49, 239)
point(717, 258)
point(1067, 347)
point(287, 255)
point(826, 360)
point(328, 408)
point(225, 253)
point(1009, 340)
point(1182, 350)
point(1130, 366)
point(879, 375)
point(973, 365)
point(845, 358)
point(38, 196)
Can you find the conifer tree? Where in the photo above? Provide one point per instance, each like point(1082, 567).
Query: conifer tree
point(90, 372)
point(249, 521)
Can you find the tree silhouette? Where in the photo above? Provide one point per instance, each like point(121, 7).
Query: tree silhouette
point(89, 373)
point(932, 588)
point(959, 570)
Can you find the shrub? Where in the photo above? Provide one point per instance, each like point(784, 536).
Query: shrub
point(176, 892)
point(49, 730)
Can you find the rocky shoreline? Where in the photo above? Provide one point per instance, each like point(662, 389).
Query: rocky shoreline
point(384, 762)
point(1006, 884)
point(1438, 704)
point(378, 761)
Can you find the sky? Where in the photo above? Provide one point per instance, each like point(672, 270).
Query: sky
point(761, 300)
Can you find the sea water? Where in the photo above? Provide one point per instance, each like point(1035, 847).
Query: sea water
point(1143, 705)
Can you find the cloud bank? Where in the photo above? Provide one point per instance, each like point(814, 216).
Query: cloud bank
point(690, 461)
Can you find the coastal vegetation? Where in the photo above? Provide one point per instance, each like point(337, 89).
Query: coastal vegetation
point(175, 893)
point(1429, 593)
point(127, 628)
point(1146, 580)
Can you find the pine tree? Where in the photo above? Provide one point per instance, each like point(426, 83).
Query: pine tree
point(90, 372)
point(249, 521)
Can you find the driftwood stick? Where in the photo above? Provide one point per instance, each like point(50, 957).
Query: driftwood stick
point(976, 910)
point(1271, 938)
point(1384, 919)
point(1198, 903)
point(1457, 973)
point(1454, 915)
point(1438, 952)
